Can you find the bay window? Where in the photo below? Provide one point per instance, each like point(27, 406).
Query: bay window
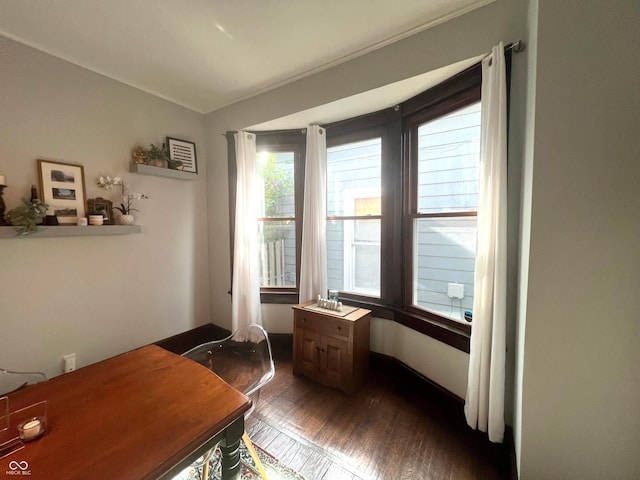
point(402, 188)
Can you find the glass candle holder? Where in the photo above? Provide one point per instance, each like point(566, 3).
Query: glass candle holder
point(31, 421)
point(32, 428)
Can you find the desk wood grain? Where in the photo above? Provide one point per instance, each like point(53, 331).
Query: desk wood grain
point(134, 416)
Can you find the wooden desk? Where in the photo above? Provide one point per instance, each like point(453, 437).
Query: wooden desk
point(145, 414)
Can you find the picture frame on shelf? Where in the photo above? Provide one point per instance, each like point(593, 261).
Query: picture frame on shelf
point(185, 152)
point(101, 206)
point(62, 188)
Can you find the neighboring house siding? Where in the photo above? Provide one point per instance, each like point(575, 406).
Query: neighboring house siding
point(446, 254)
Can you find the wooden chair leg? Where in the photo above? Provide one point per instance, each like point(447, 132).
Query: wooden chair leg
point(254, 455)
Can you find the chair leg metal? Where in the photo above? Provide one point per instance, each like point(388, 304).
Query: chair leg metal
point(254, 455)
point(205, 471)
point(205, 464)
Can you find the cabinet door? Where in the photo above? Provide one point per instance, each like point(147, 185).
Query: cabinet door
point(308, 353)
point(335, 364)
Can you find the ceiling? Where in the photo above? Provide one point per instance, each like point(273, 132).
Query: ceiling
point(205, 54)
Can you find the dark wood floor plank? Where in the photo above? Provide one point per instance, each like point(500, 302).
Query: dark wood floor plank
point(387, 430)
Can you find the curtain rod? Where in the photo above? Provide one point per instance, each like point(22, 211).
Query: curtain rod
point(517, 47)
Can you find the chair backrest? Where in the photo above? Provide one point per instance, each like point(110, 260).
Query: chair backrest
point(12, 381)
point(243, 360)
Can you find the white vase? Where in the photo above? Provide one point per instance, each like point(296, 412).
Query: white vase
point(125, 219)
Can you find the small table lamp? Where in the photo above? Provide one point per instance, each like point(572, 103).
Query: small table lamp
point(3, 183)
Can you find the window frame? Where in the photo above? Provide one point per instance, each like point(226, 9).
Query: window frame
point(386, 125)
point(458, 92)
point(284, 140)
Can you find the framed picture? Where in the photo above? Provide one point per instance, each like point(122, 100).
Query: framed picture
point(62, 187)
point(101, 206)
point(185, 152)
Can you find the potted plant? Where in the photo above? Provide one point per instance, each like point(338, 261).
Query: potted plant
point(156, 156)
point(126, 208)
point(27, 216)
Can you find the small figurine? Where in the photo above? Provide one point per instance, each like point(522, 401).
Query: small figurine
point(139, 156)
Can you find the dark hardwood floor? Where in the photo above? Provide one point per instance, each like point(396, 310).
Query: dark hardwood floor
point(393, 428)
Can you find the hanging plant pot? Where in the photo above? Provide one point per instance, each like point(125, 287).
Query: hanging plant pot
point(125, 219)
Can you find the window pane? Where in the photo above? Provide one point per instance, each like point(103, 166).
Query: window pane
point(353, 167)
point(448, 158)
point(354, 189)
point(366, 261)
point(444, 252)
point(353, 256)
point(275, 181)
point(277, 254)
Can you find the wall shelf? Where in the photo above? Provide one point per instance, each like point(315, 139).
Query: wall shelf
point(161, 172)
point(72, 231)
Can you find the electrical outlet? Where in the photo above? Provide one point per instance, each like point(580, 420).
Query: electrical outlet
point(69, 363)
point(455, 290)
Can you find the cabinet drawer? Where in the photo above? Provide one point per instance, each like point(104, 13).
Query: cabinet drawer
point(325, 325)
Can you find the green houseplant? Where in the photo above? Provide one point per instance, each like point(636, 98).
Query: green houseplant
point(159, 157)
point(126, 207)
point(27, 216)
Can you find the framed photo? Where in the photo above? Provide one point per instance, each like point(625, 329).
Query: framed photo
point(101, 206)
point(62, 187)
point(185, 152)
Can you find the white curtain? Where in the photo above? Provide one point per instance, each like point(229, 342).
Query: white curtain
point(484, 407)
point(245, 290)
point(313, 267)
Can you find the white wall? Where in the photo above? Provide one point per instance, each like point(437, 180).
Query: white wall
point(96, 296)
point(464, 37)
point(527, 85)
point(580, 381)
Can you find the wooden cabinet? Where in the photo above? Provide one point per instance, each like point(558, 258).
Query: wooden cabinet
point(331, 349)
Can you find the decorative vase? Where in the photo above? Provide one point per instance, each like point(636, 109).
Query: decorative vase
point(125, 219)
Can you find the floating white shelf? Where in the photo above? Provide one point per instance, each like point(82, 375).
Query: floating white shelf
point(161, 172)
point(72, 231)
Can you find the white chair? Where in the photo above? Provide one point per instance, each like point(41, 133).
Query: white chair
point(245, 362)
point(11, 381)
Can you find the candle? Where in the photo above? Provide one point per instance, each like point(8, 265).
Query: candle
point(31, 429)
point(3, 181)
